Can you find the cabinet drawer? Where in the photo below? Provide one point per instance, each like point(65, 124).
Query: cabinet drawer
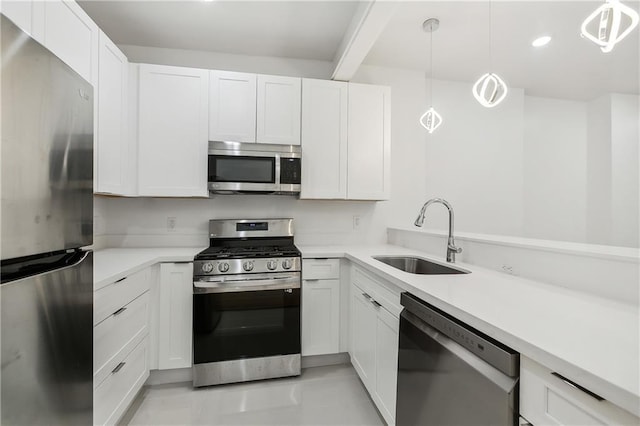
point(320, 269)
point(548, 400)
point(114, 296)
point(386, 294)
point(118, 330)
point(113, 396)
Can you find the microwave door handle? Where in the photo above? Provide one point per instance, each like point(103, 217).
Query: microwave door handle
point(277, 172)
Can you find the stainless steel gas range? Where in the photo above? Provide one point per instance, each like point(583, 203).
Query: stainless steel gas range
point(246, 303)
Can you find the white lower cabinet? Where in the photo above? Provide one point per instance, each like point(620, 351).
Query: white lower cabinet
point(114, 394)
point(546, 399)
point(375, 309)
point(320, 306)
point(175, 332)
point(120, 345)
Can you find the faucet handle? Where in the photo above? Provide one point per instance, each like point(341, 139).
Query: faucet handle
point(455, 249)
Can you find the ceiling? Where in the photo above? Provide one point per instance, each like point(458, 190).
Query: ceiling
point(569, 67)
point(289, 29)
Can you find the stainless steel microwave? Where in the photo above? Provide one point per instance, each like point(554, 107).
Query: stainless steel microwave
point(239, 168)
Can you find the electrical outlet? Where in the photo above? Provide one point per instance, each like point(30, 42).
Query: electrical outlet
point(171, 224)
point(356, 222)
point(508, 269)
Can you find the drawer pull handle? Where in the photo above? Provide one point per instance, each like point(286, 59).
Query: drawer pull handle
point(366, 296)
point(119, 311)
point(577, 386)
point(121, 279)
point(376, 304)
point(118, 368)
point(312, 280)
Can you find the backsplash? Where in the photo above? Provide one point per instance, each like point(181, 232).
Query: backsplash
point(183, 222)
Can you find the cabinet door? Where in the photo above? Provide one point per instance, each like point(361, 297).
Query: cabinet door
point(369, 149)
point(173, 130)
point(232, 106)
point(71, 35)
point(111, 140)
point(175, 315)
point(19, 12)
point(546, 399)
point(278, 110)
point(363, 337)
point(387, 328)
point(320, 317)
point(324, 139)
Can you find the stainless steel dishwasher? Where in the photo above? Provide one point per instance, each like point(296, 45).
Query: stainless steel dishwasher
point(452, 374)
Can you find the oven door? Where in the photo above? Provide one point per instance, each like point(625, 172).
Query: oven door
point(246, 316)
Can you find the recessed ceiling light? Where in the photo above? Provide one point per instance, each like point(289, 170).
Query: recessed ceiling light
point(541, 41)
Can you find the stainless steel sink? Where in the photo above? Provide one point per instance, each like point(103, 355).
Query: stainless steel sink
point(417, 265)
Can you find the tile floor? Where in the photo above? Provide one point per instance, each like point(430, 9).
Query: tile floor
point(331, 395)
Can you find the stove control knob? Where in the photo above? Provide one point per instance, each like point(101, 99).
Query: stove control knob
point(271, 265)
point(223, 267)
point(207, 267)
point(286, 264)
point(247, 266)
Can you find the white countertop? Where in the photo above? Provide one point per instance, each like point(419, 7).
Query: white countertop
point(110, 265)
point(592, 340)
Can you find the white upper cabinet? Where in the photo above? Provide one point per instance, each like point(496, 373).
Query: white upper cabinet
point(232, 106)
point(369, 135)
point(20, 12)
point(172, 131)
point(111, 139)
point(324, 139)
point(65, 29)
point(278, 110)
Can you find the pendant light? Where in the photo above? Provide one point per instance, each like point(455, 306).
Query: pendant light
point(490, 89)
point(609, 32)
point(431, 120)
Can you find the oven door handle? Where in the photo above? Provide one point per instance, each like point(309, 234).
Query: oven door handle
point(277, 283)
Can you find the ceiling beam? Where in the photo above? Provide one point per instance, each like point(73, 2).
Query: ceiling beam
point(366, 26)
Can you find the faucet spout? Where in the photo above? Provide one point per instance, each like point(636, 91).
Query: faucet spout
point(452, 249)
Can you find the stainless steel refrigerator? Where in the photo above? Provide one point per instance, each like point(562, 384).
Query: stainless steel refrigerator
point(46, 200)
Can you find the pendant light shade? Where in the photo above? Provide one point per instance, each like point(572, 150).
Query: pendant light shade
point(490, 89)
point(431, 120)
point(609, 32)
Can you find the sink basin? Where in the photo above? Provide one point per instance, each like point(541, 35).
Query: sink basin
point(417, 265)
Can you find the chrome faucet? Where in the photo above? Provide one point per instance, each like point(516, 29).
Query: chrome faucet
point(451, 246)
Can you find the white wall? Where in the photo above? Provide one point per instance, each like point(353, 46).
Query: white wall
point(229, 62)
point(555, 169)
point(625, 138)
point(474, 160)
point(599, 170)
point(612, 171)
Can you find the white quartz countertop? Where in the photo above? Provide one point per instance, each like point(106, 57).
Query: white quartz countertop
point(110, 265)
point(592, 340)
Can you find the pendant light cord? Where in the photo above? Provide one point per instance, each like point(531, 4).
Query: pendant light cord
point(431, 68)
point(490, 37)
